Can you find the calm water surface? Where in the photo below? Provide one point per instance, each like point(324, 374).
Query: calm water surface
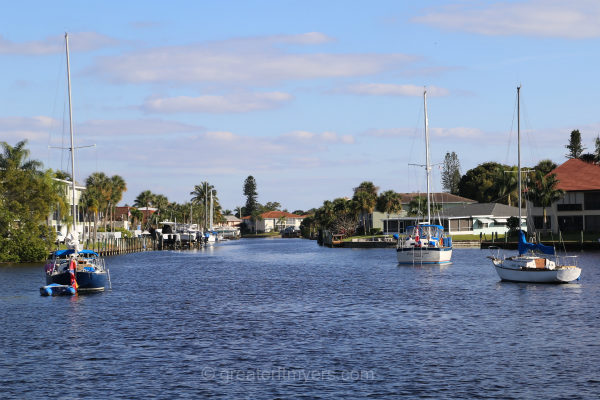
point(285, 318)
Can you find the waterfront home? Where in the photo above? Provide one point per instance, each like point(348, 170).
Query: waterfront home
point(56, 221)
point(579, 208)
point(273, 221)
point(473, 218)
point(123, 215)
point(394, 222)
point(232, 221)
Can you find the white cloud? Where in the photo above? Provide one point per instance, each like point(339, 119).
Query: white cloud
point(234, 103)
point(574, 19)
point(150, 127)
point(82, 41)
point(255, 60)
point(390, 133)
point(389, 89)
point(458, 132)
point(14, 129)
point(310, 138)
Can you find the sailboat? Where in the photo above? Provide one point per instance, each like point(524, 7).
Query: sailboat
point(425, 243)
point(211, 235)
point(532, 265)
point(74, 268)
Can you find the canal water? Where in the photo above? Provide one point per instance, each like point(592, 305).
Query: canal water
point(285, 318)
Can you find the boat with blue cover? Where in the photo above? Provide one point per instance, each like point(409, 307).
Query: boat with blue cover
point(85, 270)
point(533, 264)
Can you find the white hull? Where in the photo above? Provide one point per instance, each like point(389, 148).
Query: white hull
point(537, 275)
point(424, 255)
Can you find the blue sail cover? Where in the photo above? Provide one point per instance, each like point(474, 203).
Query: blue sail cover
point(524, 246)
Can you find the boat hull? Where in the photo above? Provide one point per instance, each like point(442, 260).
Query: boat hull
point(86, 281)
point(424, 255)
point(535, 275)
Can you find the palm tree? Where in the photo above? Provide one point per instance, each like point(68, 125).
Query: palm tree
point(366, 197)
point(543, 191)
point(161, 203)
point(136, 216)
point(17, 158)
point(201, 196)
point(118, 187)
point(144, 199)
point(89, 201)
point(100, 186)
point(389, 202)
point(507, 185)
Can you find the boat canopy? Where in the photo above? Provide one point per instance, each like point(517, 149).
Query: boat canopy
point(426, 226)
point(524, 246)
point(60, 253)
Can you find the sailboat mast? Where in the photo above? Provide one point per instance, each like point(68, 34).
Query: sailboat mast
point(211, 209)
point(427, 166)
point(519, 146)
point(71, 132)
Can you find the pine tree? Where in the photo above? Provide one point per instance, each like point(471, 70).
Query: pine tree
point(451, 173)
point(575, 147)
point(251, 194)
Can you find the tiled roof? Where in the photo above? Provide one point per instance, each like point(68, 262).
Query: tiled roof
point(279, 214)
point(577, 175)
point(437, 198)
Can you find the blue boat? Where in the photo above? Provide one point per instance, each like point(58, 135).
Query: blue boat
point(84, 270)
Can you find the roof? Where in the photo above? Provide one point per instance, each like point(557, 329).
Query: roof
point(232, 218)
point(437, 197)
point(482, 209)
point(279, 214)
point(577, 175)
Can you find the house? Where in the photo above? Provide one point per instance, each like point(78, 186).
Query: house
point(393, 222)
point(471, 218)
point(232, 221)
point(579, 208)
point(57, 221)
point(273, 221)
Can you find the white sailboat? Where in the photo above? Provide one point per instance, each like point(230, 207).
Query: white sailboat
point(530, 265)
point(425, 243)
point(74, 269)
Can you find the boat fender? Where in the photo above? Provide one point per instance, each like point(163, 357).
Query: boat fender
point(417, 241)
point(396, 236)
point(72, 290)
point(441, 241)
point(48, 291)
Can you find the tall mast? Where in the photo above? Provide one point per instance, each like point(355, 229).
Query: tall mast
point(427, 166)
point(211, 209)
point(71, 131)
point(519, 145)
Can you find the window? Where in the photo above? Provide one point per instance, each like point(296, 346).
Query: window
point(569, 207)
point(592, 223)
point(462, 224)
point(572, 223)
point(592, 200)
point(538, 222)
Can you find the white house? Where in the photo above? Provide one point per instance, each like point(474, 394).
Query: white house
point(473, 218)
point(55, 220)
point(273, 221)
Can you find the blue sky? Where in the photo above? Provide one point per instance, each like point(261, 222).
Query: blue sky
point(309, 97)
